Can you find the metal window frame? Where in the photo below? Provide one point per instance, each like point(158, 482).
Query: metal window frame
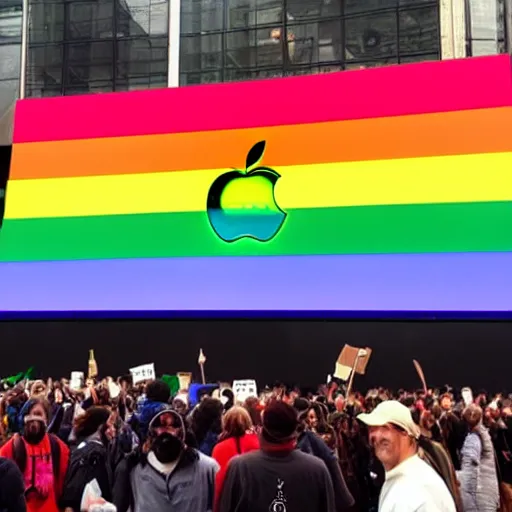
point(342, 17)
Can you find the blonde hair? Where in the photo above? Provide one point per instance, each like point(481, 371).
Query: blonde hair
point(236, 422)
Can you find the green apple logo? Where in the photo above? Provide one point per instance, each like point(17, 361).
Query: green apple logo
point(241, 204)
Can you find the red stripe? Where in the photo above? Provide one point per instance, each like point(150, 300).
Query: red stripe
point(389, 91)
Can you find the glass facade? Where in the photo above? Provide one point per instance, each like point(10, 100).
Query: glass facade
point(87, 46)
point(224, 40)
point(10, 52)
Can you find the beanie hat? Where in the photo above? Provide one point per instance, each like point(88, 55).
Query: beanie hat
point(280, 423)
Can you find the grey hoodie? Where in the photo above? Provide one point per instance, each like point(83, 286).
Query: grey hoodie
point(189, 488)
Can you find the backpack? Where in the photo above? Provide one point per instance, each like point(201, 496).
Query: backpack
point(19, 454)
point(436, 456)
point(87, 462)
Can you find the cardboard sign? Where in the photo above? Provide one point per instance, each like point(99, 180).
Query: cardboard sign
point(77, 381)
point(243, 389)
point(347, 359)
point(467, 396)
point(185, 378)
point(143, 372)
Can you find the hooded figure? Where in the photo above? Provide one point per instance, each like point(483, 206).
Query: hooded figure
point(143, 481)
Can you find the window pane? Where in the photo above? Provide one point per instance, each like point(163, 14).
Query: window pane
point(10, 23)
point(253, 48)
point(90, 20)
point(8, 93)
point(413, 3)
point(419, 58)
point(199, 16)
point(306, 9)
point(142, 17)
point(419, 30)
point(366, 6)
point(9, 61)
point(211, 77)
point(372, 36)
point(89, 64)
point(142, 63)
point(44, 70)
point(200, 53)
point(310, 43)
point(46, 21)
point(375, 63)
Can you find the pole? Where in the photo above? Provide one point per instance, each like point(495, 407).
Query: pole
point(508, 25)
point(173, 51)
point(360, 354)
point(24, 48)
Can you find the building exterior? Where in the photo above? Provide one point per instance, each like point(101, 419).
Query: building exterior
point(91, 46)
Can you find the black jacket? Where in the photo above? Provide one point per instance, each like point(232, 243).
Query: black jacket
point(12, 487)
point(310, 443)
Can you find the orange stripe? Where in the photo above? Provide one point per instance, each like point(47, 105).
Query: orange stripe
point(452, 133)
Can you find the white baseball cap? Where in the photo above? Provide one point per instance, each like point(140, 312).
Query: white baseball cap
point(392, 412)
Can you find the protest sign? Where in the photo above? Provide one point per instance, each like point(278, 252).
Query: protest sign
point(185, 378)
point(351, 358)
point(143, 372)
point(77, 381)
point(243, 389)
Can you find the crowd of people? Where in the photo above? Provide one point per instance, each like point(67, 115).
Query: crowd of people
point(147, 449)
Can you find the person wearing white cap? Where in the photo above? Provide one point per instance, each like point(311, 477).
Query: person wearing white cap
point(411, 484)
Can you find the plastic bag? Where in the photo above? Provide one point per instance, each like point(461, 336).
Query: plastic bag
point(92, 500)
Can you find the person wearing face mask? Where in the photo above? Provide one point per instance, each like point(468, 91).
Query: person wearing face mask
point(167, 474)
point(41, 457)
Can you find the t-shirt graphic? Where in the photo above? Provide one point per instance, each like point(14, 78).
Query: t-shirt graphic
point(279, 503)
point(39, 475)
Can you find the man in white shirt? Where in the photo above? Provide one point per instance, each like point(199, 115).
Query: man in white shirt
point(411, 484)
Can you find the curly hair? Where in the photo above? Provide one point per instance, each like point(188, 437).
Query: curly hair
point(207, 418)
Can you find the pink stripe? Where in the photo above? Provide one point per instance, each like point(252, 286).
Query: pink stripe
point(482, 82)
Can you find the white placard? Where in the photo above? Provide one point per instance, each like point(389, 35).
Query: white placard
point(143, 372)
point(243, 389)
point(76, 381)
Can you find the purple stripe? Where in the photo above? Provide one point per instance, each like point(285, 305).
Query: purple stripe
point(433, 282)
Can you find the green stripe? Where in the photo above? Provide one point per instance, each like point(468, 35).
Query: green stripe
point(462, 227)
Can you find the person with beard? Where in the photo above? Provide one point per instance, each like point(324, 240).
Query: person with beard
point(278, 477)
point(41, 457)
point(90, 459)
point(167, 475)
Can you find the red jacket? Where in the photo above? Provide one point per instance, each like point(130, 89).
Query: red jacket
point(47, 497)
point(225, 451)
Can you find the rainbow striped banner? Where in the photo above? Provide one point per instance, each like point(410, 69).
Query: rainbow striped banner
point(377, 190)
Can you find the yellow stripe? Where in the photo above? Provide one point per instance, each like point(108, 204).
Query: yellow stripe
point(463, 178)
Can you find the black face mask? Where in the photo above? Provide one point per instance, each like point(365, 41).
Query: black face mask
point(167, 448)
point(34, 435)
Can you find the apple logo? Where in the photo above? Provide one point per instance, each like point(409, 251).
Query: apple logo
point(241, 204)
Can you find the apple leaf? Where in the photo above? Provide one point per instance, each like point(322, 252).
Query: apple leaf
point(255, 154)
